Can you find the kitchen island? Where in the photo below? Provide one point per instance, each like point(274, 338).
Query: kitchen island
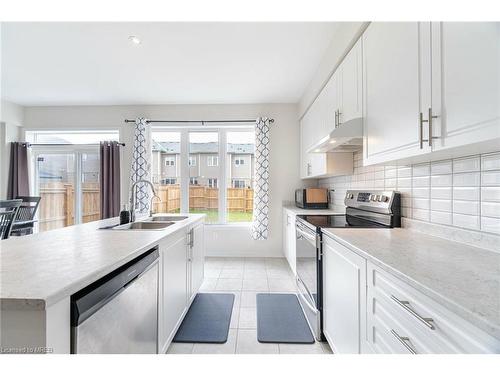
point(39, 273)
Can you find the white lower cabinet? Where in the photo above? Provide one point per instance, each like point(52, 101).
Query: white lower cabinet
point(289, 249)
point(181, 275)
point(344, 297)
point(367, 310)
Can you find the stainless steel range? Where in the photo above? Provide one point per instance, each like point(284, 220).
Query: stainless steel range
point(364, 209)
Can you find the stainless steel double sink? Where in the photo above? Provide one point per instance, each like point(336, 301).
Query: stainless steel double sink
point(152, 223)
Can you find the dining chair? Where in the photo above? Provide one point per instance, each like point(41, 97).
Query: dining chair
point(25, 219)
point(8, 212)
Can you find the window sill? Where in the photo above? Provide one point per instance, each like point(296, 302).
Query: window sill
point(229, 225)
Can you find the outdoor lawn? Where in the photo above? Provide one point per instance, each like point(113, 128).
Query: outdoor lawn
point(232, 217)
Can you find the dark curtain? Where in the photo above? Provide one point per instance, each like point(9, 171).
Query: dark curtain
point(110, 179)
point(18, 183)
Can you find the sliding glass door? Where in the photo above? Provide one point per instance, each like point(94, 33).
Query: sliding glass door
point(68, 183)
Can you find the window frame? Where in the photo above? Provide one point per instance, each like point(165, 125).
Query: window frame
point(211, 159)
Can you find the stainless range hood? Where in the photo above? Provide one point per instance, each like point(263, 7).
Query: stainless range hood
point(348, 137)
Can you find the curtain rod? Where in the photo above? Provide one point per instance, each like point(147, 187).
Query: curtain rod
point(203, 122)
point(68, 144)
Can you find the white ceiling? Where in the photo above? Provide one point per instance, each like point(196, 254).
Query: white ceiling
point(96, 64)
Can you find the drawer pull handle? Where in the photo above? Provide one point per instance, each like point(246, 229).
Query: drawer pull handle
point(405, 341)
point(406, 306)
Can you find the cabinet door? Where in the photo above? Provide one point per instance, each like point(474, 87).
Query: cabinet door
point(344, 297)
point(396, 81)
point(351, 85)
point(290, 240)
point(466, 82)
point(331, 102)
point(197, 258)
point(173, 287)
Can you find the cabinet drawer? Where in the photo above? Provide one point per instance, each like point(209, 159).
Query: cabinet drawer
point(430, 327)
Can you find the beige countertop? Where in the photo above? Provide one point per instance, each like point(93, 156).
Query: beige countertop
point(38, 270)
point(463, 278)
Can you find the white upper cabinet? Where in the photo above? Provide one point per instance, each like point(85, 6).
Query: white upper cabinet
point(396, 80)
point(351, 85)
point(466, 82)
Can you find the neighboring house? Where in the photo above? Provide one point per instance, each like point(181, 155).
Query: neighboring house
point(203, 164)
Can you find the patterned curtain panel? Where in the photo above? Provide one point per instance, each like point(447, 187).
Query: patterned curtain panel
point(141, 163)
point(260, 228)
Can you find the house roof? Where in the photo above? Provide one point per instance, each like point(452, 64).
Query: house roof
point(203, 148)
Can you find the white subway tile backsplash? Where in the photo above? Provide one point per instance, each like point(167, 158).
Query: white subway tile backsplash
point(441, 167)
point(442, 180)
point(462, 192)
point(490, 194)
point(421, 170)
point(404, 172)
point(490, 224)
point(441, 217)
point(421, 192)
point(441, 192)
point(391, 173)
point(490, 209)
point(421, 181)
point(421, 204)
point(466, 193)
point(443, 205)
point(466, 179)
point(471, 164)
point(466, 207)
point(490, 162)
point(423, 215)
point(490, 178)
point(466, 221)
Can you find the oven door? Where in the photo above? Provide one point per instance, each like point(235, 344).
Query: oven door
point(307, 275)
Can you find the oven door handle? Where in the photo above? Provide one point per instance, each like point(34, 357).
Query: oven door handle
point(303, 233)
point(314, 308)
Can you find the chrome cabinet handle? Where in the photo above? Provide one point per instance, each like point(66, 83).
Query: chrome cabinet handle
point(406, 306)
point(338, 117)
point(421, 128)
point(431, 116)
point(405, 341)
point(308, 169)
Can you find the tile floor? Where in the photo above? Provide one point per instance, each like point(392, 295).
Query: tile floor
point(245, 277)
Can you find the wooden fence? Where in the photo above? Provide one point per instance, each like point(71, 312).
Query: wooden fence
point(203, 198)
point(57, 203)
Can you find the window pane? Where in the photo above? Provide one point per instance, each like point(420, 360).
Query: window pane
point(204, 174)
point(240, 175)
point(91, 201)
point(56, 175)
point(165, 171)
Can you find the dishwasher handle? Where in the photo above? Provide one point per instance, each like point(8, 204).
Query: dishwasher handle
point(89, 300)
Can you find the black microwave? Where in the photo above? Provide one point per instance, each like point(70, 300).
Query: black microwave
point(311, 198)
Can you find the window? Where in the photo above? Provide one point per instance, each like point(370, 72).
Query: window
point(212, 183)
point(169, 181)
point(169, 161)
point(238, 184)
point(239, 193)
point(213, 161)
point(208, 177)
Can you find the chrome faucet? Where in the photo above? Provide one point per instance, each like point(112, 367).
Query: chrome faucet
point(132, 198)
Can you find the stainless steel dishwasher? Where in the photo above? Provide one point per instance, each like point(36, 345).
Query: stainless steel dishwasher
point(119, 312)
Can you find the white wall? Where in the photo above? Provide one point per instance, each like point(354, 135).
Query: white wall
point(11, 120)
point(284, 156)
point(344, 38)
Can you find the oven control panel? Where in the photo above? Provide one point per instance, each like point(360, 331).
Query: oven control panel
point(379, 199)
